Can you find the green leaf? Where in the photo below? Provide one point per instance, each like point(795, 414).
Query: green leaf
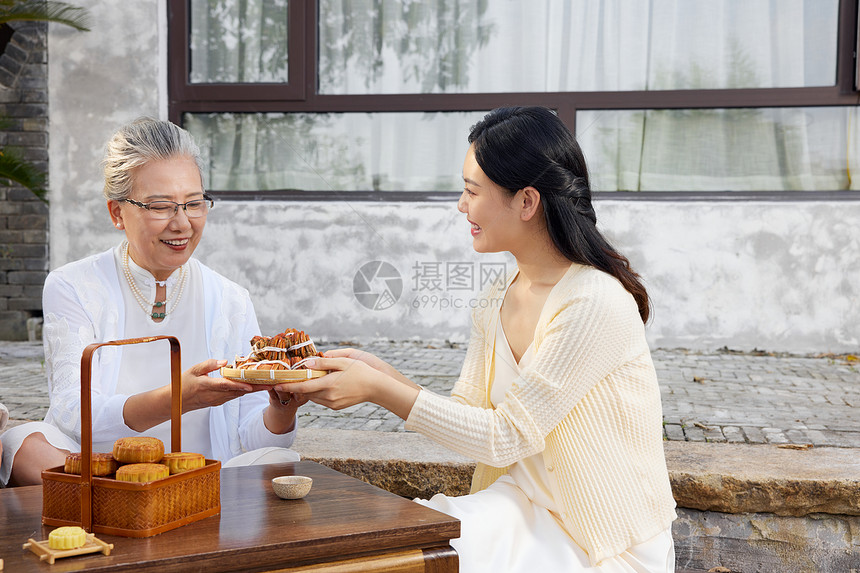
point(45, 11)
point(15, 169)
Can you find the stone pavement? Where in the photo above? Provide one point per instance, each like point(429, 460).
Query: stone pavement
point(707, 396)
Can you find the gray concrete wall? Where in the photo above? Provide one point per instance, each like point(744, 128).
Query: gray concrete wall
point(779, 276)
point(97, 81)
point(774, 276)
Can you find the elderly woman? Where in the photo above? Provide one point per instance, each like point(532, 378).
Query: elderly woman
point(146, 286)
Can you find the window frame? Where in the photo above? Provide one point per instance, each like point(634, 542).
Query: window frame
point(179, 63)
point(300, 96)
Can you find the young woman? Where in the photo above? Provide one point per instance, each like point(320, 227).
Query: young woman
point(558, 400)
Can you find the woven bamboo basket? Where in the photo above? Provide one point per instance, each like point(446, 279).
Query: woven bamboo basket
point(104, 505)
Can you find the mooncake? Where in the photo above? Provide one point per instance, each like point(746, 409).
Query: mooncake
point(103, 464)
point(138, 450)
point(142, 473)
point(179, 462)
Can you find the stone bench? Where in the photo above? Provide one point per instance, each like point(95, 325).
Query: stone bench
point(741, 507)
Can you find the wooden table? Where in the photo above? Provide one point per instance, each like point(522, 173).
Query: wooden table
point(343, 525)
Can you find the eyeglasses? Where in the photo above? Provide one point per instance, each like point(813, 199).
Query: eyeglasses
point(169, 209)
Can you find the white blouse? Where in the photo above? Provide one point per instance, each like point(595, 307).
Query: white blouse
point(183, 322)
point(529, 473)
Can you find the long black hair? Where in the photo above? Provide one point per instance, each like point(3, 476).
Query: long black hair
point(518, 147)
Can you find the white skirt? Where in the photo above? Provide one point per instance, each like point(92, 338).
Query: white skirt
point(502, 530)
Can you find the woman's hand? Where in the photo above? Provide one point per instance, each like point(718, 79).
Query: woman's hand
point(349, 382)
point(371, 360)
point(352, 381)
point(363, 356)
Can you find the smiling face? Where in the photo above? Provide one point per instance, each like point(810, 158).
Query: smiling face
point(489, 208)
point(161, 246)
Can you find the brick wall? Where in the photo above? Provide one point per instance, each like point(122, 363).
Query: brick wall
point(23, 217)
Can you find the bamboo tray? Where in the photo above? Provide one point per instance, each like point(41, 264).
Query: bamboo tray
point(128, 509)
point(269, 376)
point(45, 553)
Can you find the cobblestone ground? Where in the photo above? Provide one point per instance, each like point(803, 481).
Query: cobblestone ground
point(717, 397)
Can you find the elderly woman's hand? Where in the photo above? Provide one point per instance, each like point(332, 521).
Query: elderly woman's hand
point(285, 400)
point(199, 390)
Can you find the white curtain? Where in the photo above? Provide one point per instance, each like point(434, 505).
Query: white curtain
point(712, 45)
point(479, 46)
point(333, 152)
point(764, 149)
point(239, 41)
point(473, 46)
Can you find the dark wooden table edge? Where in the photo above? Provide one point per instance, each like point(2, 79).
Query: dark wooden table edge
point(438, 558)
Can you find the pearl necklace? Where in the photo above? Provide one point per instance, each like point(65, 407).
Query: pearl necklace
point(141, 300)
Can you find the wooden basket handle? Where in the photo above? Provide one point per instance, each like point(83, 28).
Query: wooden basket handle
point(87, 414)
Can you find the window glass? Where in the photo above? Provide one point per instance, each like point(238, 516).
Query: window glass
point(478, 46)
point(762, 149)
point(238, 42)
point(333, 151)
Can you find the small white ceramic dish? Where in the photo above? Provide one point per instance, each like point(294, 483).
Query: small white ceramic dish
point(292, 487)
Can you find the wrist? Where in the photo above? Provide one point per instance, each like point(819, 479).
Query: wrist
point(396, 396)
point(279, 419)
point(379, 389)
point(142, 411)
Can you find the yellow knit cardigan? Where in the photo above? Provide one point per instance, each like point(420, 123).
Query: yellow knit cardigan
point(589, 401)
